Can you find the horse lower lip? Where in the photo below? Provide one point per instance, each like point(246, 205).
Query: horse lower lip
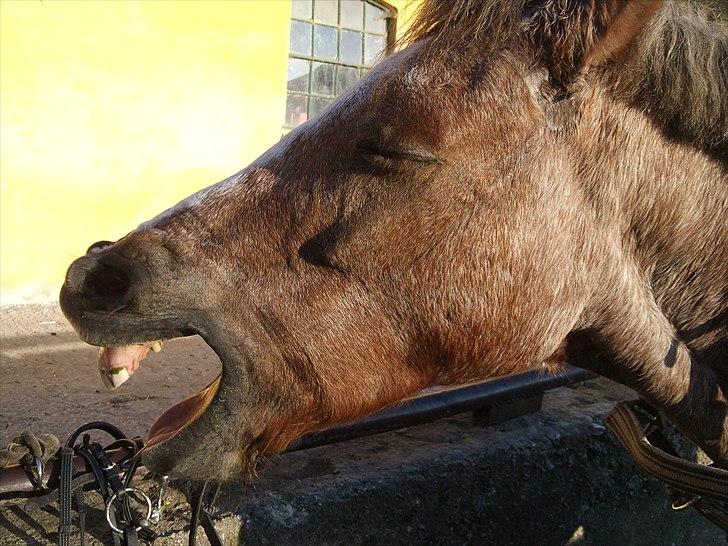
point(182, 414)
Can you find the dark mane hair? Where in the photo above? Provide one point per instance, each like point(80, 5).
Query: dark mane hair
point(677, 69)
point(465, 22)
point(679, 72)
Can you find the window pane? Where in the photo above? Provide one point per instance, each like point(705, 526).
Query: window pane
point(324, 42)
point(375, 19)
point(346, 76)
point(352, 14)
point(374, 46)
point(298, 75)
point(326, 11)
point(301, 9)
point(300, 38)
point(296, 110)
point(350, 50)
point(323, 78)
point(319, 104)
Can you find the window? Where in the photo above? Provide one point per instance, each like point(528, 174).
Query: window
point(333, 44)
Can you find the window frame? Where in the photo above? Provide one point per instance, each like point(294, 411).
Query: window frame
point(390, 38)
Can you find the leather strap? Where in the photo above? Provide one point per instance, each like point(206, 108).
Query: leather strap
point(689, 484)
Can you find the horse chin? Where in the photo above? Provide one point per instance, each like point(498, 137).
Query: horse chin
point(187, 441)
point(181, 443)
point(206, 435)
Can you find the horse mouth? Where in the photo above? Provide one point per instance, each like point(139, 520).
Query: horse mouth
point(118, 363)
point(128, 322)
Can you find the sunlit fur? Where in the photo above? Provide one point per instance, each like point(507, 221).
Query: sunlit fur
point(571, 206)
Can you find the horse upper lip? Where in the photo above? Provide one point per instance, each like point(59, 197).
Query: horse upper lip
point(122, 328)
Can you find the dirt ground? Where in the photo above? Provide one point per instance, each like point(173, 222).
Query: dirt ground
point(49, 380)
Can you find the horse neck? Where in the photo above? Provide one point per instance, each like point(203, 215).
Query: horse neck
point(663, 201)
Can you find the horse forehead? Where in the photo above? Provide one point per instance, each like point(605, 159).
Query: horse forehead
point(401, 87)
point(414, 70)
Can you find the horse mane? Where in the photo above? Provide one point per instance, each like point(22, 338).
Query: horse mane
point(676, 71)
point(460, 23)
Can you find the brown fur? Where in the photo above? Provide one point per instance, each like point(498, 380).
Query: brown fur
point(496, 195)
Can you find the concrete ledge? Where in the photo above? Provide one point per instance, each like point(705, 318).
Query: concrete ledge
point(553, 477)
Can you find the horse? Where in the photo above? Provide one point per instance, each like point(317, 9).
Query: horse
point(522, 183)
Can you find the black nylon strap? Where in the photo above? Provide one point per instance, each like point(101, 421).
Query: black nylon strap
point(200, 501)
point(116, 537)
point(130, 537)
point(64, 497)
point(210, 532)
point(96, 471)
point(196, 506)
point(110, 470)
point(81, 508)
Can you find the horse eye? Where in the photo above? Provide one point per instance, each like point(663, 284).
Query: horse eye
point(372, 147)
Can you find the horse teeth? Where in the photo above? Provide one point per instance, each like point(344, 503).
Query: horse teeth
point(118, 377)
point(157, 346)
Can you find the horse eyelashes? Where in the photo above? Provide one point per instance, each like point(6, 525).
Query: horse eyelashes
point(373, 148)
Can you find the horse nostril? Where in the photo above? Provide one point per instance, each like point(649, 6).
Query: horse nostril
point(108, 282)
point(91, 277)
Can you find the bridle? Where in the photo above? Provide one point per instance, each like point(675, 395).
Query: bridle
point(81, 465)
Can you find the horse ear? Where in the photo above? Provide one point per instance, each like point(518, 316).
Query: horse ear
point(571, 37)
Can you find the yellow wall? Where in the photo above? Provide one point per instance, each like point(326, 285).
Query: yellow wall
point(111, 111)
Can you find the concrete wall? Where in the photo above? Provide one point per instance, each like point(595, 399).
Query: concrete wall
point(110, 112)
point(553, 478)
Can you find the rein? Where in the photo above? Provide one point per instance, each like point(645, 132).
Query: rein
point(639, 427)
point(82, 465)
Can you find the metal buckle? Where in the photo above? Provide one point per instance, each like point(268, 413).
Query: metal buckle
point(39, 469)
point(125, 491)
point(157, 512)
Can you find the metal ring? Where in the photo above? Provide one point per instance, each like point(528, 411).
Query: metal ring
point(35, 475)
point(115, 496)
point(677, 506)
